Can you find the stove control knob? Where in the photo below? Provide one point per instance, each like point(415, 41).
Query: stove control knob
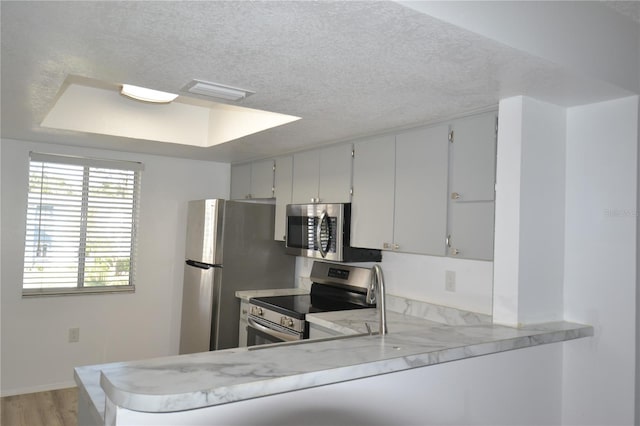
point(286, 321)
point(257, 311)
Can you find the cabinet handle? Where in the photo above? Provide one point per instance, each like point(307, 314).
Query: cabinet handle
point(455, 196)
point(447, 241)
point(396, 246)
point(386, 245)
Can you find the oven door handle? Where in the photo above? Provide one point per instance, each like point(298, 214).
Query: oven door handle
point(274, 333)
point(323, 218)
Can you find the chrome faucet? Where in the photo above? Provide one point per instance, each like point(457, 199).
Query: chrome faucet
point(376, 294)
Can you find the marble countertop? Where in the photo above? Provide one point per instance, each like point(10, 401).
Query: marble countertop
point(206, 379)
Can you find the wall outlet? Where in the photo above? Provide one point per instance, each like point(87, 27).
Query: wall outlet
point(74, 335)
point(450, 281)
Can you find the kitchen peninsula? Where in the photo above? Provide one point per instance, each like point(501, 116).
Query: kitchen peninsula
point(160, 391)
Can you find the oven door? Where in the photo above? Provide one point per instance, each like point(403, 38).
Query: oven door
point(260, 332)
point(315, 230)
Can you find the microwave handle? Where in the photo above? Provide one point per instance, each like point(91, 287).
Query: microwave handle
point(323, 217)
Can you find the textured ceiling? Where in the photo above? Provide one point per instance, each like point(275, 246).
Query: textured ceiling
point(349, 69)
point(628, 8)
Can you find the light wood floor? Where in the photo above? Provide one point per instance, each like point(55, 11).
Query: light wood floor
point(52, 408)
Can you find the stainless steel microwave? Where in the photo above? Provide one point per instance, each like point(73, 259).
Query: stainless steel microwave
point(323, 231)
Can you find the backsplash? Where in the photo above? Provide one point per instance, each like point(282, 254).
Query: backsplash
point(421, 278)
point(436, 313)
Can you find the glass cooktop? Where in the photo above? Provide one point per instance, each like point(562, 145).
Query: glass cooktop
point(321, 299)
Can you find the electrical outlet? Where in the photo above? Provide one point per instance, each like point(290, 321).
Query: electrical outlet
point(450, 281)
point(74, 335)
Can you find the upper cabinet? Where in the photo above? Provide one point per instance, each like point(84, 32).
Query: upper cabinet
point(428, 190)
point(252, 180)
point(283, 185)
point(400, 192)
point(322, 175)
point(240, 181)
point(471, 223)
point(473, 158)
point(372, 205)
point(306, 176)
point(420, 218)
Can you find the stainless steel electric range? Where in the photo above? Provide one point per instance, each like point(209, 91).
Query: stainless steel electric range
point(335, 287)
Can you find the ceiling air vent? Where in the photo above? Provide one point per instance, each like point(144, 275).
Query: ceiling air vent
point(215, 90)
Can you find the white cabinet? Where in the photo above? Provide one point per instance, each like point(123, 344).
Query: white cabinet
point(252, 180)
point(282, 191)
point(240, 181)
point(473, 158)
point(306, 175)
point(471, 227)
point(243, 323)
point(400, 192)
point(372, 204)
point(336, 166)
point(472, 188)
point(420, 218)
point(322, 175)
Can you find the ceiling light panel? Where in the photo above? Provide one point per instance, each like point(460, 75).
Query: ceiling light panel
point(215, 90)
point(102, 110)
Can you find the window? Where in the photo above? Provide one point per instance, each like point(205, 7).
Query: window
point(81, 225)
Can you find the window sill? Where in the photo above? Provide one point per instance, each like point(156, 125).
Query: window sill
point(77, 291)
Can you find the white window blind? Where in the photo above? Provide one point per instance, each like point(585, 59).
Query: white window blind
point(81, 225)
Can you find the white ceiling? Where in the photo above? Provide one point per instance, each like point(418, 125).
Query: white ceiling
point(349, 69)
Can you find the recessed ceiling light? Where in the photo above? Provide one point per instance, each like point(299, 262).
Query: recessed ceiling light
point(216, 90)
point(147, 95)
point(85, 105)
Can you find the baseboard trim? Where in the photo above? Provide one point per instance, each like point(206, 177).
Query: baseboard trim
point(40, 388)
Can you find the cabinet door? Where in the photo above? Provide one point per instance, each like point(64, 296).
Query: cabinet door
point(336, 164)
point(472, 226)
point(240, 181)
point(262, 179)
point(473, 157)
point(420, 220)
point(306, 174)
point(373, 188)
point(282, 192)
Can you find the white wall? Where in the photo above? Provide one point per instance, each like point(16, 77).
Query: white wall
point(35, 352)
point(530, 191)
point(600, 262)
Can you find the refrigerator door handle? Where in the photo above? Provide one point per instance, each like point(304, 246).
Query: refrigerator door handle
point(201, 265)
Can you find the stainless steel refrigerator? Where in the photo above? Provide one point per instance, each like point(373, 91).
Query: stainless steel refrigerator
point(229, 247)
